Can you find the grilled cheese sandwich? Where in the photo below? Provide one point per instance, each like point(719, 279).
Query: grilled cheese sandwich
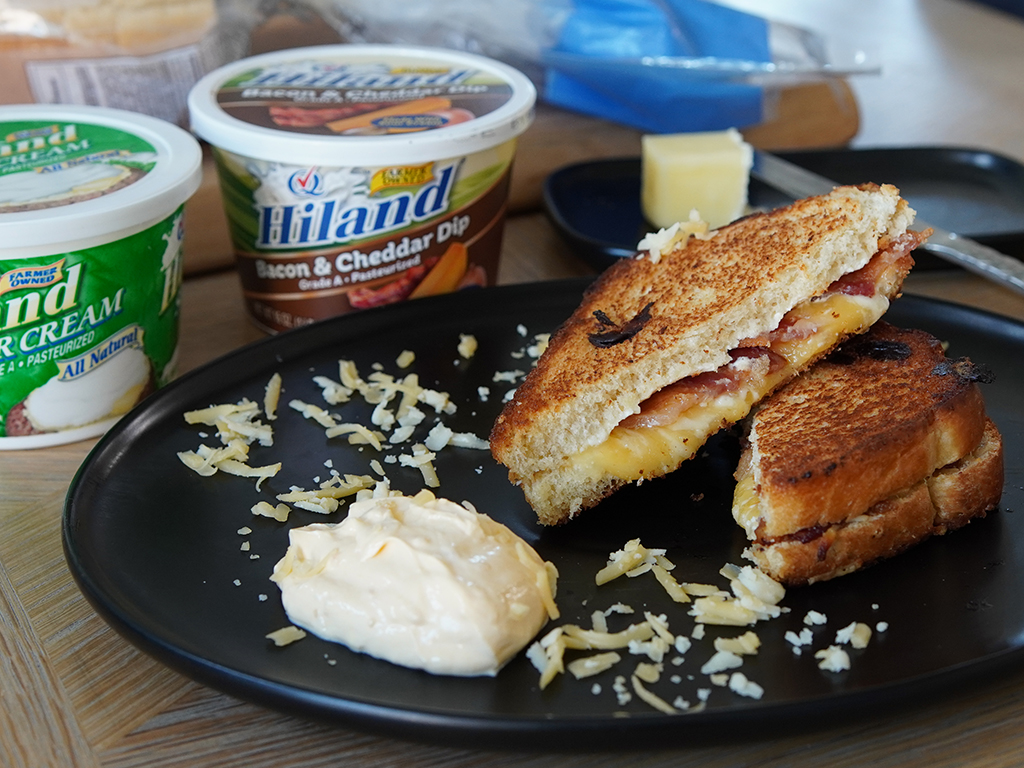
point(875, 448)
point(668, 348)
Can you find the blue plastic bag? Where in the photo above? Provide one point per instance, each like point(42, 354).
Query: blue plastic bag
point(663, 67)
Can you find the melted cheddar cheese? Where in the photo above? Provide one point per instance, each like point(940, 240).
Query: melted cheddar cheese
point(634, 453)
point(746, 507)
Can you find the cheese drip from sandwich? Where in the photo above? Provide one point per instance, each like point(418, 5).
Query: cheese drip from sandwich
point(877, 447)
point(671, 346)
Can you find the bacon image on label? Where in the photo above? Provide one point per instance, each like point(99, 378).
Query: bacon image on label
point(306, 117)
point(396, 290)
point(435, 276)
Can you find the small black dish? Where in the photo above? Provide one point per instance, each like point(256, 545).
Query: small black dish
point(595, 205)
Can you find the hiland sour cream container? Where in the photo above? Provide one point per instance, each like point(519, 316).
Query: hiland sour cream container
point(91, 204)
point(358, 176)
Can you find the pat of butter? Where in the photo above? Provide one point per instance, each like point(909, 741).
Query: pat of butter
point(703, 171)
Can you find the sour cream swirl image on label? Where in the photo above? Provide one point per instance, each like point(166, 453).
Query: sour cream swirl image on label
point(62, 183)
point(418, 581)
point(110, 389)
point(33, 187)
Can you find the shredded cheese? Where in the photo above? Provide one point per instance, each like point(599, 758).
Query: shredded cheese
point(286, 635)
point(265, 509)
point(833, 659)
point(467, 345)
point(237, 428)
point(651, 698)
point(325, 499)
point(314, 412)
point(739, 683)
point(744, 645)
point(271, 396)
point(856, 634)
point(588, 666)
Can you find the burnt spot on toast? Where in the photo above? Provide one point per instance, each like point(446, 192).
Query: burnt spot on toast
point(611, 333)
point(882, 350)
point(965, 371)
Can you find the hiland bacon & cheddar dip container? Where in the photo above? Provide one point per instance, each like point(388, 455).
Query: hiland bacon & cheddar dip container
point(91, 204)
point(356, 176)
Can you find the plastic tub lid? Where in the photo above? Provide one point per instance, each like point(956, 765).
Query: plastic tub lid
point(249, 107)
point(163, 162)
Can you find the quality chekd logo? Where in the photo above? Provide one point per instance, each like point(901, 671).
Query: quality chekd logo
point(306, 182)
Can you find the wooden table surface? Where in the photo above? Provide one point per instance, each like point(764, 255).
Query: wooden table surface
point(72, 692)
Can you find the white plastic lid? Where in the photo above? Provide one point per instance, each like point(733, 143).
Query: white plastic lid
point(233, 107)
point(167, 163)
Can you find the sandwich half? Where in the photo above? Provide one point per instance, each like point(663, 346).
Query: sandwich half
point(877, 447)
point(671, 346)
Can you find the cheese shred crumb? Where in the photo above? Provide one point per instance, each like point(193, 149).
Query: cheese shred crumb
point(467, 345)
point(286, 636)
point(588, 666)
point(265, 509)
point(271, 395)
point(652, 698)
point(833, 659)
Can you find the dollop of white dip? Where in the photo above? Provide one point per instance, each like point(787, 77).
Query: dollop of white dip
point(418, 581)
point(110, 389)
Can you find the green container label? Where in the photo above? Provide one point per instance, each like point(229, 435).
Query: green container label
point(85, 334)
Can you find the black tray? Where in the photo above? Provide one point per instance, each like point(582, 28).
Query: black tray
point(155, 548)
point(596, 205)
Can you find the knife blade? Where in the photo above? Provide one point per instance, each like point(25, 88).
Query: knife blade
point(980, 259)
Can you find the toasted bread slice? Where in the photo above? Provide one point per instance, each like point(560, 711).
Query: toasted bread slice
point(875, 448)
point(723, 307)
point(949, 499)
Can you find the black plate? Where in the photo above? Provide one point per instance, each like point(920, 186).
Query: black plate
point(596, 205)
point(155, 548)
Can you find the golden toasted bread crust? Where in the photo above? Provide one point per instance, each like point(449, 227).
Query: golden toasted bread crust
point(879, 415)
point(679, 315)
point(972, 486)
point(949, 499)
